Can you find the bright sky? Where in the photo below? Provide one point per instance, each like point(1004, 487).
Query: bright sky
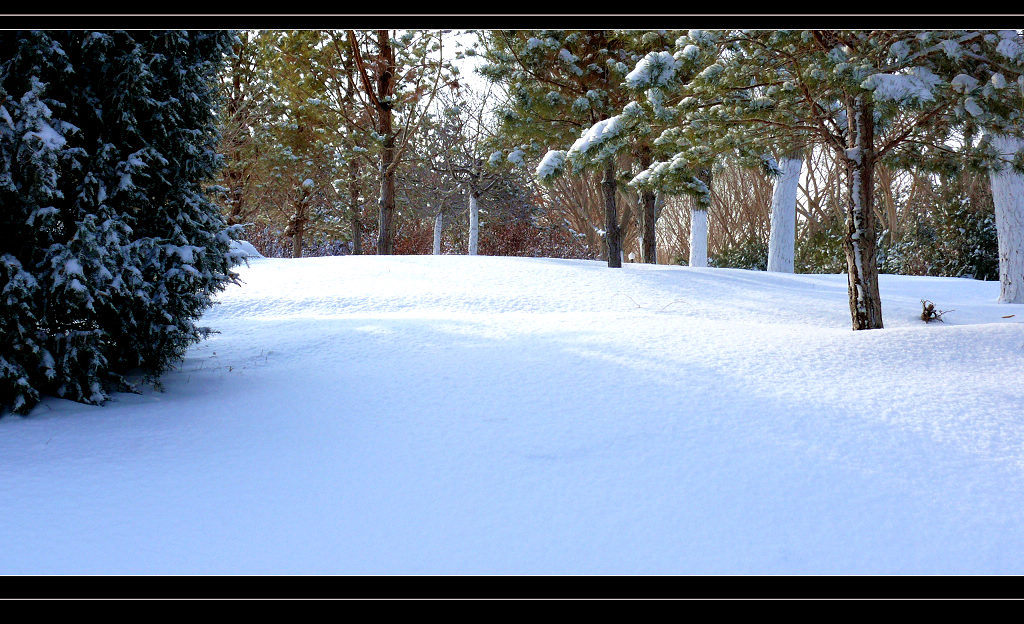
point(467, 65)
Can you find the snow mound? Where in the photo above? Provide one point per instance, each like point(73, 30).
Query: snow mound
point(246, 248)
point(457, 414)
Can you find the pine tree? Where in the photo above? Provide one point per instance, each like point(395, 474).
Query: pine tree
point(562, 83)
point(870, 97)
point(110, 248)
point(247, 92)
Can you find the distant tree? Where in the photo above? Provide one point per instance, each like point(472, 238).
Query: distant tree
point(633, 131)
point(458, 150)
point(247, 90)
point(397, 76)
point(560, 83)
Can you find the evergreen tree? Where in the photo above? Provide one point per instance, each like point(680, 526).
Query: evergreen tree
point(561, 83)
point(110, 248)
point(247, 93)
point(870, 97)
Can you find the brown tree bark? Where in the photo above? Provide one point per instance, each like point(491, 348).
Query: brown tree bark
point(297, 223)
point(297, 241)
point(385, 90)
point(612, 235)
point(235, 174)
point(860, 242)
point(648, 215)
point(355, 222)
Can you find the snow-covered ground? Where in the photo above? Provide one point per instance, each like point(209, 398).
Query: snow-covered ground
point(456, 414)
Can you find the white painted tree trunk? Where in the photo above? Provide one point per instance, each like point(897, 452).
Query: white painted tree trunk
point(782, 240)
point(1008, 196)
point(474, 224)
point(698, 237)
point(659, 203)
point(438, 225)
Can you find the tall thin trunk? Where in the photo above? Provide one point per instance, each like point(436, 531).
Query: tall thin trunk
point(236, 212)
point(234, 173)
point(385, 89)
point(297, 222)
point(296, 228)
point(861, 242)
point(356, 225)
point(612, 235)
point(474, 221)
point(386, 236)
point(355, 222)
point(297, 242)
point(884, 183)
point(698, 237)
point(648, 215)
point(438, 226)
point(1008, 196)
point(659, 204)
point(782, 239)
point(699, 226)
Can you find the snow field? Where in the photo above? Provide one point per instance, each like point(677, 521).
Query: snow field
point(456, 414)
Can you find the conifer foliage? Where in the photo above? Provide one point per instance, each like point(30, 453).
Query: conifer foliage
point(110, 248)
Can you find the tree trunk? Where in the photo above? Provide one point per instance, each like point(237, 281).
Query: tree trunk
point(234, 171)
point(474, 221)
point(236, 212)
point(698, 237)
point(297, 242)
point(612, 235)
point(648, 215)
point(438, 226)
point(699, 225)
point(297, 222)
point(659, 204)
point(860, 242)
point(357, 234)
point(385, 90)
point(355, 210)
point(385, 235)
point(1008, 196)
point(782, 240)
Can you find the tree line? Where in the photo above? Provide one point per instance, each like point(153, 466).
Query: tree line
point(938, 102)
point(812, 150)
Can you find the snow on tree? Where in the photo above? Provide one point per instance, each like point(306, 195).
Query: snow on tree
point(566, 87)
point(551, 166)
point(597, 147)
point(655, 69)
point(111, 248)
point(868, 96)
point(634, 130)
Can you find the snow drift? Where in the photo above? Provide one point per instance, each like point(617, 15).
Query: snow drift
point(455, 414)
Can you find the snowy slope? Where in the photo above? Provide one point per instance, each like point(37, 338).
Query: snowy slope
point(447, 414)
